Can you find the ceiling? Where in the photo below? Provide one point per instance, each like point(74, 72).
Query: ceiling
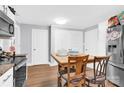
point(77, 15)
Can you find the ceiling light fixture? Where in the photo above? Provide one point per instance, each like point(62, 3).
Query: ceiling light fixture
point(60, 21)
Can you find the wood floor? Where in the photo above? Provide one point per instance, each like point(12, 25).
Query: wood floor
point(46, 76)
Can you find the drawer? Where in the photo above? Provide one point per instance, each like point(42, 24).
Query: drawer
point(6, 80)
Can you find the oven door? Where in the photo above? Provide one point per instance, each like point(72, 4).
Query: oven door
point(20, 74)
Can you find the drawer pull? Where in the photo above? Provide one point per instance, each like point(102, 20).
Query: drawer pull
point(7, 78)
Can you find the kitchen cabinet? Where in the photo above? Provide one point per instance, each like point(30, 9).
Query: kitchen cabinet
point(6, 80)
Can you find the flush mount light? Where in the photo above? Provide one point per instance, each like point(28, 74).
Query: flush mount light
point(60, 21)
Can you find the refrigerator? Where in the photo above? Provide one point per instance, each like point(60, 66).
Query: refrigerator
point(115, 48)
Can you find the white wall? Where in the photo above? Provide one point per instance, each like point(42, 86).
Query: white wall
point(26, 39)
point(5, 43)
point(91, 41)
point(102, 27)
point(17, 35)
point(61, 38)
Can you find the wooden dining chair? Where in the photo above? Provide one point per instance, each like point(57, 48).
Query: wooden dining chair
point(99, 71)
point(76, 78)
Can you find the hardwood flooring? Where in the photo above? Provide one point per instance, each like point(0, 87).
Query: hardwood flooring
point(46, 76)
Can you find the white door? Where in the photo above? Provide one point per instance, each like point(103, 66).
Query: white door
point(91, 42)
point(39, 46)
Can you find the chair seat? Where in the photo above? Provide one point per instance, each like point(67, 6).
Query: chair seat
point(98, 80)
point(75, 79)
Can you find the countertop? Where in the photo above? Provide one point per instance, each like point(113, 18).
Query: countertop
point(5, 67)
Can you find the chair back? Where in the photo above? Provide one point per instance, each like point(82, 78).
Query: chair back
point(79, 63)
point(100, 66)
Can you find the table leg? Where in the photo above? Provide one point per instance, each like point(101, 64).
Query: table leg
point(59, 77)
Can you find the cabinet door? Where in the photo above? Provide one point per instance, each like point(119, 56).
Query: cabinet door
point(6, 80)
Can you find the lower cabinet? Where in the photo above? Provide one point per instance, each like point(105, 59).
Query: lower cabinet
point(6, 80)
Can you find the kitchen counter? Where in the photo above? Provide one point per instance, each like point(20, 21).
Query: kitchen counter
point(5, 67)
point(7, 64)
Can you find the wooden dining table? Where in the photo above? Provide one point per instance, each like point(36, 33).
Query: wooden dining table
point(63, 62)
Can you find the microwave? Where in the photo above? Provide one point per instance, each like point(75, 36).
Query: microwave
point(6, 26)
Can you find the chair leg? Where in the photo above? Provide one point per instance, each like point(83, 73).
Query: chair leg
point(88, 84)
point(59, 82)
point(103, 85)
point(99, 85)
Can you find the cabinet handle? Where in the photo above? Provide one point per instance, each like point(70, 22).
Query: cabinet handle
point(7, 78)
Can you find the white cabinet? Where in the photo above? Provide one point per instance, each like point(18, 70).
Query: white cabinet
point(6, 80)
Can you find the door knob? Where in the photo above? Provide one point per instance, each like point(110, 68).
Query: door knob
point(34, 49)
